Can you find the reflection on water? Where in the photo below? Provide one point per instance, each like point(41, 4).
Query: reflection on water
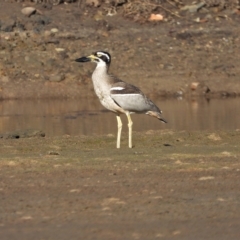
point(88, 117)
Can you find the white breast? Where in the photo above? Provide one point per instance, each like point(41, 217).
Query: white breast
point(102, 89)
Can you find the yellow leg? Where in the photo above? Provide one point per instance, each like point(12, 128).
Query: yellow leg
point(119, 122)
point(130, 123)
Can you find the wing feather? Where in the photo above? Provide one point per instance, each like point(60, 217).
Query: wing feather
point(130, 98)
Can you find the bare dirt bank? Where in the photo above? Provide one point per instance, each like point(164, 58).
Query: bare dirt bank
point(163, 58)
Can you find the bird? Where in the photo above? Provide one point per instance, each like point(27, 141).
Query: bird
point(118, 96)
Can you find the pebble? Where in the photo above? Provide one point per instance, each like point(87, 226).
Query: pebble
point(194, 85)
point(54, 30)
point(53, 153)
point(57, 78)
point(193, 8)
point(214, 137)
point(94, 3)
point(60, 49)
point(28, 11)
point(156, 17)
point(206, 178)
point(98, 16)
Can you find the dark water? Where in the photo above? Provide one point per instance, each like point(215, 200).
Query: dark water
point(88, 117)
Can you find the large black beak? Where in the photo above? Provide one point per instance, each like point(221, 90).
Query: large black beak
point(83, 59)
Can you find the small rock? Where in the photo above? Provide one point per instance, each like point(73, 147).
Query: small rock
point(199, 88)
point(94, 3)
point(200, 20)
point(111, 12)
point(54, 30)
point(176, 232)
point(155, 17)
point(221, 199)
point(98, 16)
point(75, 190)
point(60, 49)
point(57, 78)
point(28, 11)
point(53, 153)
point(179, 93)
point(178, 162)
point(193, 8)
point(225, 153)
point(206, 178)
point(197, 19)
point(214, 137)
point(194, 85)
point(167, 145)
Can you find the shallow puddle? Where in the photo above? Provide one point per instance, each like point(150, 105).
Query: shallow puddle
point(88, 117)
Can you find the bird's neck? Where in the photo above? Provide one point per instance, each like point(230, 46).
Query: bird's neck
point(101, 69)
point(100, 78)
point(102, 66)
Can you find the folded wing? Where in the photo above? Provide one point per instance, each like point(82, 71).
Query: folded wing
point(131, 99)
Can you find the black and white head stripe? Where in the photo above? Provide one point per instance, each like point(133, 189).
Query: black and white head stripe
point(104, 56)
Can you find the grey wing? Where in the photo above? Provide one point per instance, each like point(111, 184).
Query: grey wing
point(131, 99)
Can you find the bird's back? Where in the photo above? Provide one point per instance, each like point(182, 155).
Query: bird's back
point(131, 98)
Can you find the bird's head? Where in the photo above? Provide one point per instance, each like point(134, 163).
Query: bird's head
point(99, 57)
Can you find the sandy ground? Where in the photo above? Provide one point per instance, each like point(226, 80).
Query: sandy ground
point(171, 185)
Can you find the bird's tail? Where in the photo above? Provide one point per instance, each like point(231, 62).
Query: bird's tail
point(156, 115)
